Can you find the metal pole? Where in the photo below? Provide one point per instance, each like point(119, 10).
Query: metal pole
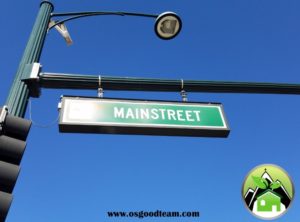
point(19, 92)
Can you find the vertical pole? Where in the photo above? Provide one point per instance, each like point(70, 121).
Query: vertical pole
point(19, 92)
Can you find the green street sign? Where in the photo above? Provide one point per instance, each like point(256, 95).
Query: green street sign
point(119, 116)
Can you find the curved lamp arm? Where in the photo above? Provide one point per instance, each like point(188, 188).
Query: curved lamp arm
point(167, 25)
point(76, 15)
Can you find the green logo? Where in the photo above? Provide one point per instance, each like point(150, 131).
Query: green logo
point(268, 191)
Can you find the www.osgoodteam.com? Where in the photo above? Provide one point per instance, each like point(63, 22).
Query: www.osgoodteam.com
point(158, 213)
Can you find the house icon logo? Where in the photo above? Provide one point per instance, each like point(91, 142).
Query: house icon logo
point(268, 191)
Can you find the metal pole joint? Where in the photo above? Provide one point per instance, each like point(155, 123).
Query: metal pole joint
point(32, 71)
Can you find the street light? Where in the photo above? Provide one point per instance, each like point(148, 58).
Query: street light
point(167, 25)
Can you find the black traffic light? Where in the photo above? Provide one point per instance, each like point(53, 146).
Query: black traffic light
point(13, 134)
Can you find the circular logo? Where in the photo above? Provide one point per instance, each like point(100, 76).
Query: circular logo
point(268, 191)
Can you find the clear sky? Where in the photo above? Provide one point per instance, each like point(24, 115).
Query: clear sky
point(77, 177)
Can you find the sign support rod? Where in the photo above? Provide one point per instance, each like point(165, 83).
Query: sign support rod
point(91, 82)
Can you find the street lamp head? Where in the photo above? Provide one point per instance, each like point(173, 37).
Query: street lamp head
point(167, 25)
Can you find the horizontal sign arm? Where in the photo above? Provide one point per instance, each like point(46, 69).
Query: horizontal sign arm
point(75, 81)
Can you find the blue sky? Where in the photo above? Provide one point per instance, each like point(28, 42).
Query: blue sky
point(76, 177)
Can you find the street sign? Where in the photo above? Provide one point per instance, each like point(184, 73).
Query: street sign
point(120, 116)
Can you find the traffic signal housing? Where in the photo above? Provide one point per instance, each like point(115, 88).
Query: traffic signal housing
point(13, 134)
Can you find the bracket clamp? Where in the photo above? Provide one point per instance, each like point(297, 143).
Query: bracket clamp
point(32, 72)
